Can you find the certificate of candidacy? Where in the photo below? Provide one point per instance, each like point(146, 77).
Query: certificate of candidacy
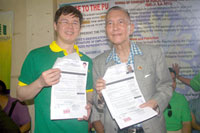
point(123, 96)
point(68, 97)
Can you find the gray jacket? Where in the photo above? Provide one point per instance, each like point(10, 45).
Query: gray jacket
point(156, 86)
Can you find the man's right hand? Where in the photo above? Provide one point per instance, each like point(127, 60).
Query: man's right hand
point(49, 77)
point(100, 85)
point(176, 69)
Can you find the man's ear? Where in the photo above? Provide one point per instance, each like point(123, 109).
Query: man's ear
point(131, 28)
point(55, 26)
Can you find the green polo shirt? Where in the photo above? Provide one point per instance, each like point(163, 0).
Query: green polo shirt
point(38, 61)
point(180, 112)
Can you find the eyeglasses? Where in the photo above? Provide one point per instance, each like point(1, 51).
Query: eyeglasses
point(74, 24)
point(169, 108)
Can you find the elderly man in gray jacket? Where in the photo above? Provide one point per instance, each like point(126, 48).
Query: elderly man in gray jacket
point(150, 69)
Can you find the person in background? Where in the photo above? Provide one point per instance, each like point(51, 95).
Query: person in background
point(16, 110)
point(7, 125)
point(151, 72)
point(37, 75)
point(194, 83)
point(194, 104)
point(177, 114)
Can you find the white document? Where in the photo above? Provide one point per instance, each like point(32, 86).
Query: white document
point(123, 96)
point(68, 97)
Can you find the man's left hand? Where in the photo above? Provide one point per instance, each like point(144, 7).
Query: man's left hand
point(151, 103)
point(88, 108)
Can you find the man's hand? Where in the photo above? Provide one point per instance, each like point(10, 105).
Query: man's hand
point(176, 69)
point(88, 108)
point(49, 77)
point(100, 85)
point(151, 103)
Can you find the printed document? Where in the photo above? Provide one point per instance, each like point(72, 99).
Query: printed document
point(68, 97)
point(123, 96)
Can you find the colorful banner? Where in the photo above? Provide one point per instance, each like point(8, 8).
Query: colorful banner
point(172, 24)
point(6, 27)
point(175, 26)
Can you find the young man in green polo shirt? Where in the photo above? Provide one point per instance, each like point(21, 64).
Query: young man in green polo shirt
point(37, 75)
point(194, 83)
point(177, 114)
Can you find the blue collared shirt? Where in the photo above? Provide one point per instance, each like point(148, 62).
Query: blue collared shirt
point(134, 50)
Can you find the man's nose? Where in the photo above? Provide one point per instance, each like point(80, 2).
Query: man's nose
point(115, 26)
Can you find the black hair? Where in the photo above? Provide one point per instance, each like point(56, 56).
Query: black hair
point(3, 89)
point(68, 9)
